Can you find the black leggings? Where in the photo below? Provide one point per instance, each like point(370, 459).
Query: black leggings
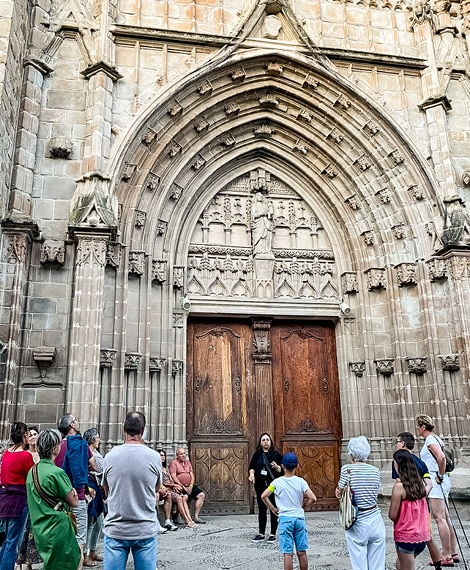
point(263, 511)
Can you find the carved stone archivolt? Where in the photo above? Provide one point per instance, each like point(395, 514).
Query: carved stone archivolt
point(258, 238)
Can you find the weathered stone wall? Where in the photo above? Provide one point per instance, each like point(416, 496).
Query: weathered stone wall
point(121, 107)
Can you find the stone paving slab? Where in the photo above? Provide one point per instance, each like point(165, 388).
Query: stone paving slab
point(224, 543)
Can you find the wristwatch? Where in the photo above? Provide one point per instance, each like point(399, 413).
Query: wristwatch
point(440, 477)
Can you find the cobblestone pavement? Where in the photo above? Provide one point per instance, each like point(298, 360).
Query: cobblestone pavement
point(224, 543)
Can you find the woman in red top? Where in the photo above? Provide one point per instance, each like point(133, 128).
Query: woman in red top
point(16, 462)
point(408, 511)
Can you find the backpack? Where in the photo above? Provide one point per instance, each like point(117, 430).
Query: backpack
point(449, 455)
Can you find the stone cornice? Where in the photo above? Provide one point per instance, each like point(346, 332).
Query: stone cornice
point(136, 33)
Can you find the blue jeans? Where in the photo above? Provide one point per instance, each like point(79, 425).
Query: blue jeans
point(14, 528)
point(116, 553)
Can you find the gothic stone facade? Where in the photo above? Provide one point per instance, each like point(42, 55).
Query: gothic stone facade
point(166, 161)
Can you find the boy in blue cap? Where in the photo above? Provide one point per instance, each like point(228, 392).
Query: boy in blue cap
point(290, 492)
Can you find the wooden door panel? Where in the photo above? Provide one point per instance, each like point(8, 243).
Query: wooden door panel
point(222, 472)
point(306, 397)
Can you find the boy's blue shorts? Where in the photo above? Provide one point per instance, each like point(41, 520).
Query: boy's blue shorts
point(292, 531)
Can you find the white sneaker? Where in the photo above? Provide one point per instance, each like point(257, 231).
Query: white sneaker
point(162, 530)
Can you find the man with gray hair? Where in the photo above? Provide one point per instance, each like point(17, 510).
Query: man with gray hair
point(131, 478)
point(74, 458)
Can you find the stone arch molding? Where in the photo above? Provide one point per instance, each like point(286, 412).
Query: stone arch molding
point(270, 125)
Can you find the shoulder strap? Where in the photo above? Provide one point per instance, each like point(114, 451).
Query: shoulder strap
point(44, 496)
point(265, 461)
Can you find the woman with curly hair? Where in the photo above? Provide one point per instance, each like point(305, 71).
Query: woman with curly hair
point(408, 511)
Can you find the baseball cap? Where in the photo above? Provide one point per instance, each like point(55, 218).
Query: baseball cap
point(290, 460)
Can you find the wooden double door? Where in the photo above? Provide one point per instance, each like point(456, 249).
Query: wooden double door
point(262, 375)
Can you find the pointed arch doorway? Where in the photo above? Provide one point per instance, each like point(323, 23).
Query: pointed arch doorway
point(248, 376)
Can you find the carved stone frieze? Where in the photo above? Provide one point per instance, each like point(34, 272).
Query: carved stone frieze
point(416, 191)
point(176, 367)
point(406, 274)
point(450, 362)
point(175, 109)
point(153, 182)
point(201, 124)
point(300, 146)
point(437, 269)
point(128, 171)
point(232, 108)
point(149, 136)
point(384, 366)
point(17, 248)
point(107, 357)
point(175, 192)
point(368, 237)
point(274, 68)
point(159, 270)
point(91, 250)
point(173, 149)
point(398, 231)
point(362, 162)
point(376, 278)
point(178, 277)
point(113, 254)
point(310, 82)
point(335, 135)
point(349, 282)
point(329, 171)
point(384, 195)
point(140, 218)
point(417, 364)
point(352, 202)
point(132, 360)
point(396, 156)
point(52, 252)
point(237, 74)
point(358, 368)
point(371, 128)
point(156, 363)
point(60, 147)
point(263, 130)
point(198, 163)
point(136, 262)
point(268, 100)
point(162, 226)
point(343, 102)
point(205, 88)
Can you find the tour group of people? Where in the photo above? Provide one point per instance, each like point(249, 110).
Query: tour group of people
point(58, 494)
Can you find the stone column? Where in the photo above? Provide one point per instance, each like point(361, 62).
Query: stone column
point(22, 178)
point(15, 249)
point(263, 357)
point(87, 312)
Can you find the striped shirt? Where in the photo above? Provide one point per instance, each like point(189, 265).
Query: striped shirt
point(364, 482)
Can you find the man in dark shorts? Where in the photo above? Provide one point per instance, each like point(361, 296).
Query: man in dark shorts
point(182, 473)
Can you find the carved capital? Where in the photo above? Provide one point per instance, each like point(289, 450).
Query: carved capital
point(376, 278)
point(17, 247)
point(437, 269)
point(349, 282)
point(358, 368)
point(176, 367)
point(136, 262)
point(156, 363)
point(44, 356)
point(60, 147)
point(406, 274)
point(153, 182)
point(113, 254)
point(159, 270)
point(450, 362)
point(132, 360)
point(384, 366)
point(107, 357)
point(417, 364)
point(91, 250)
point(52, 252)
point(178, 277)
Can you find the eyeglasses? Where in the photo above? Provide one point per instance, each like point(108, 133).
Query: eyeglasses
point(75, 420)
point(398, 441)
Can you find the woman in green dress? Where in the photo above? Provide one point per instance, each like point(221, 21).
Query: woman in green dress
point(53, 531)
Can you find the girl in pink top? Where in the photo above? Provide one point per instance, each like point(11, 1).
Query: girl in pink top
point(408, 511)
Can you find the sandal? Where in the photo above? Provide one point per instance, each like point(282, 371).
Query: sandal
point(455, 558)
point(87, 561)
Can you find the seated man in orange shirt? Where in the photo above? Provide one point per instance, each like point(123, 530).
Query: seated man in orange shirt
point(182, 473)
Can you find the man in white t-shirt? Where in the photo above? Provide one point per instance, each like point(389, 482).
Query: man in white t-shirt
point(132, 475)
point(290, 492)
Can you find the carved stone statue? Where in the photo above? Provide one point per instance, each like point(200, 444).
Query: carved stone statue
point(262, 224)
point(456, 224)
